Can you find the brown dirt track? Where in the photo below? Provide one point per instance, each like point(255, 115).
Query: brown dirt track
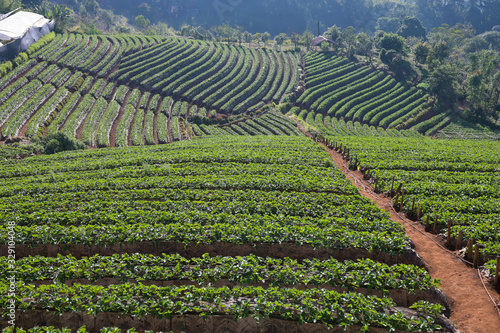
point(472, 310)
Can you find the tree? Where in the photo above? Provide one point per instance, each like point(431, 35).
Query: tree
point(364, 45)
point(107, 17)
point(295, 39)
point(9, 5)
point(483, 83)
point(439, 52)
point(60, 14)
point(388, 24)
point(348, 40)
point(247, 37)
point(307, 38)
point(422, 51)
point(141, 22)
point(280, 39)
point(332, 33)
point(411, 26)
point(266, 36)
point(392, 41)
point(442, 83)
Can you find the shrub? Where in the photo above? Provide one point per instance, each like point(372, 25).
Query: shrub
point(58, 142)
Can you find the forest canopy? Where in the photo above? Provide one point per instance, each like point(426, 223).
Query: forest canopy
point(277, 16)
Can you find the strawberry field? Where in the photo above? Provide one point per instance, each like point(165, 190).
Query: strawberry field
point(233, 233)
point(450, 180)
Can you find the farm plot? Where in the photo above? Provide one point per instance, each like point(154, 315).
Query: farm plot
point(271, 123)
point(326, 125)
point(75, 83)
point(260, 229)
point(450, 180)
point(338, 89)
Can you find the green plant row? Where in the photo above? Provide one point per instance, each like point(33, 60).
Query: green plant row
point(48, 73)
point(341, 107)
point(375, 116)
point(150, 53)
point(304, 306)
point(98, 88)
point(206, 87)
point(316, 95)
point(137, 129)
point(90, 129)
point(74, 80)
point(191, 71)
point(290, 76)
point(146, 60)
point(402, 113)
point(123, 129)
point(220, 97)
point(63, 113)
point(87, 84)
point(45, 114)
point(134, 97)
point(60, 78)
point(71, 42)
point(6, 93)
point(348, 210)
point(28, 109)
point(78, 115)
point(12, 74)
point(103, 67)
point(277, 65)
point(18, 99)
point(94, 57)
point(352, 275)
point(350, 108)
point(243, 232)
point(328, 66)
point(368, 81)
point(151, 76)
point(51, 48)
point(451, 181)
point(287, 151)
point(174, 128)
point(85, 54)
point(162, 126)
point(254, 80)
point(149, 138)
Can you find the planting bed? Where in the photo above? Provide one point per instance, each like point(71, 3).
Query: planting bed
point(264, 230)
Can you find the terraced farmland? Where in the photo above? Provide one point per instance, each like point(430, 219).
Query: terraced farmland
point(450, 180)
point(130, 90)
point(327, 125)
point(193, 235)
point(338, 88)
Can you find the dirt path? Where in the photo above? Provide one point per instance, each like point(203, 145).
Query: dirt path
point(472, 311)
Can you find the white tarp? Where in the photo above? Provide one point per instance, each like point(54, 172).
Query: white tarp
point(16, 26)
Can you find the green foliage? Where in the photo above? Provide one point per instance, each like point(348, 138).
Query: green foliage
point(5, 67)
point(460, 185)
point(391, 41)
point(443, 82)
point(439, 52)
point(59, 142)
point(388, 24)
point(411, 27)
point(20, 59)
point(483, 83)
point(141, 22)
point(422, 51)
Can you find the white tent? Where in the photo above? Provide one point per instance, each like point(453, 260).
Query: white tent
point(16, 26)
point(18, 31)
